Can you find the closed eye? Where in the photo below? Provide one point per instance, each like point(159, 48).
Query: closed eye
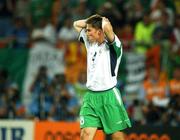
point(87, 30)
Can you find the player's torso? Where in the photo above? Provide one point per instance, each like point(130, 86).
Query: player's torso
point(99, 67)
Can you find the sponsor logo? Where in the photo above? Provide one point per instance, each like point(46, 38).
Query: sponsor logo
point(14, 133)
point(81, 120)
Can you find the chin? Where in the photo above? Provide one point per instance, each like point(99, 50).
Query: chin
point(91, 40)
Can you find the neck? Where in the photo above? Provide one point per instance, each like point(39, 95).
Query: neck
point(100, 40)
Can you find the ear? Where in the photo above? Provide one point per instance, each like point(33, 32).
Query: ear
point(99, 32)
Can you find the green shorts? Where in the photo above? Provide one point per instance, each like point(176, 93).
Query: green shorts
point(104, 110)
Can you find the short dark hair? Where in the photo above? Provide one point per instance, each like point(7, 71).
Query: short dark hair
point(95, 21)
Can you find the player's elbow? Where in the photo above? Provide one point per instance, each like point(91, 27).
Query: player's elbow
point(75, 24)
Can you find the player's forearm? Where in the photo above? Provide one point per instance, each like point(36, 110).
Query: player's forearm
point(79, 24)
point(108, 30)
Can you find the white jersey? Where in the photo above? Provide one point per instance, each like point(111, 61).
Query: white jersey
point(102, 63)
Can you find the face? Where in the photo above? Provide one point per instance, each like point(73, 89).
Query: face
point(93, 34)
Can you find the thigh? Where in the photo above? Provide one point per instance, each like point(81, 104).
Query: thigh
point(113, 114)
point(88, 115)
point(90, 121)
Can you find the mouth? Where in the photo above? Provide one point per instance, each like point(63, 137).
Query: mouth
point(90, 38)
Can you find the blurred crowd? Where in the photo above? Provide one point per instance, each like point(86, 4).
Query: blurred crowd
point(147, 27)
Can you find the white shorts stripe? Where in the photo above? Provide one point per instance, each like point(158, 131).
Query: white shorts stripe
point(117, 96)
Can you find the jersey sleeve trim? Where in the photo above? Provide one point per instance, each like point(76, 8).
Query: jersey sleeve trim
point(82, 35)
point(116, 44)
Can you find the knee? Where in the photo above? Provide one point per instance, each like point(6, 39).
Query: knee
point(85, 134)
point(118, 136)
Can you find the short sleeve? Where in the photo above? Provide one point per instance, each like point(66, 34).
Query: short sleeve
point(117, 45)
point(82, 36)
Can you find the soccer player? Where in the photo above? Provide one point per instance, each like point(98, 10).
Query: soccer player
point(102, 106)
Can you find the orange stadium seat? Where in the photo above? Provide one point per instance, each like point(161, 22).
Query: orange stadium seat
point(143, 136)
point(133, 136)
point(125, 136)
point(154, 137)
point(164, 137)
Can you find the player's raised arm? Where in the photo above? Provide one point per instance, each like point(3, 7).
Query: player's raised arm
point(79, 24)
point(108, 29)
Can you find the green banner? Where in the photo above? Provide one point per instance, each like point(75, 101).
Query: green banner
point(14, 61)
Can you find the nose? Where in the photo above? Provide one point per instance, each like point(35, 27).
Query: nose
point(87, 33)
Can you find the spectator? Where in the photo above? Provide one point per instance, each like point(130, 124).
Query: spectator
point(9, 96)
point(39, 90)
point(56, 11)
point(3, 107)
point(127, 37)
point(137, 113)
point(154, 94)
point(6, 14)
point(159, 7)
point(19, 34)
point(163, 32)
point(67, 32)
point(22, 10)
point(44, 31)
point(152, 114)
point(65, 104)
point(153, 87)
point(134, 10)
point(143, 33)
point(65, 10)
point(15, 108)
point(80, 86)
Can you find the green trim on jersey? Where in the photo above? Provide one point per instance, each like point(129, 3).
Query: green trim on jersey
point(116, 48)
